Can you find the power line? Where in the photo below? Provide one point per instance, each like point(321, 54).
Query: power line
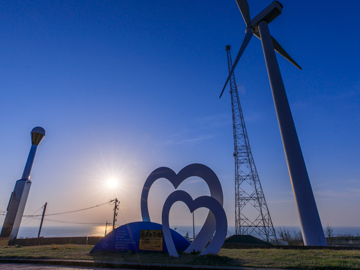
point(68, 212)
point(29, 218)
point(122, 215)
point(70, 222)
point(37, 217)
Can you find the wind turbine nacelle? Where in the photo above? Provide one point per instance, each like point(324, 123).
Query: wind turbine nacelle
point(268, 14)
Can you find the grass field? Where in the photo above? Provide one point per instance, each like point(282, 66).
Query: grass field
point(273, 258)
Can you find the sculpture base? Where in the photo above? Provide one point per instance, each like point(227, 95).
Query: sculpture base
point(139, 237)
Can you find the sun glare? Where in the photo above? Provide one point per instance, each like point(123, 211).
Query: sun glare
point(112, 182)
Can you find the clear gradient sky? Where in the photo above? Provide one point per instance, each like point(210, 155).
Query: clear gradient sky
point(123, 87)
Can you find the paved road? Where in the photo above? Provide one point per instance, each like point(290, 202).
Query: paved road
point(23, 266)
point(51, 264)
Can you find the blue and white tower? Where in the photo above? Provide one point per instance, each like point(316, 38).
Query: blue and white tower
point(15, 209)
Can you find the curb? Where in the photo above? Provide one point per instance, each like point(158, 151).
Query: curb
point(128, 265)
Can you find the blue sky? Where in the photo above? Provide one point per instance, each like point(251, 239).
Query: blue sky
point(124, 87)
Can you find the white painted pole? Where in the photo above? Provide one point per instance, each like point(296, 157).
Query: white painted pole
point(21, 207)
point(21, 191)
point(16, 208)
point(311, 227)
point(29, 163)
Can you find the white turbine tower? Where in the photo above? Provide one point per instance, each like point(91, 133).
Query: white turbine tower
point(311, 227)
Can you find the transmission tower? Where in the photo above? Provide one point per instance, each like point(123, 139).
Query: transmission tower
point(251, 212)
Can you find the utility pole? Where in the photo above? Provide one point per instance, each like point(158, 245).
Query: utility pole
point(252, 215)
point(116, 207)
point(42, 219)
point(107, 223)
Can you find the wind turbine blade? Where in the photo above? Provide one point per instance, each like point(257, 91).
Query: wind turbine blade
point(282, 52)
point(244, 44)
point(244, 9)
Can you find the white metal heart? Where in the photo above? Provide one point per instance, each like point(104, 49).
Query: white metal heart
point(195, 169)
point(219, 225)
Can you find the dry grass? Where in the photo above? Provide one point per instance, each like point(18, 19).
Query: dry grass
point(304, 259)
point(274, 258)
point(3, 241)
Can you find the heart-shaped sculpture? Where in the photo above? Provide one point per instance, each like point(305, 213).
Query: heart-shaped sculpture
point(204, 201)
point(198, 170)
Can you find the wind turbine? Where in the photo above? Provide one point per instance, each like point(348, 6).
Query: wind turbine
point(311, 227)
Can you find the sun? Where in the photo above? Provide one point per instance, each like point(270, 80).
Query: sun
point(112, 182)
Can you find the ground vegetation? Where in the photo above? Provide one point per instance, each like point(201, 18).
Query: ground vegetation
point(258, 258)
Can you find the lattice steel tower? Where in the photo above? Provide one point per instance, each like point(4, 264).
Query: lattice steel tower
point(252, 215)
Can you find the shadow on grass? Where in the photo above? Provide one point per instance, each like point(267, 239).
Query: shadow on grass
point(216, 260)
point(164, 258)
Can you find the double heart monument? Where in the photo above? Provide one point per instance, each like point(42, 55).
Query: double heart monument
point(147, 236)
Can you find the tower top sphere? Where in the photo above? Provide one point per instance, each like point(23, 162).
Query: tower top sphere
point(37, 134)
